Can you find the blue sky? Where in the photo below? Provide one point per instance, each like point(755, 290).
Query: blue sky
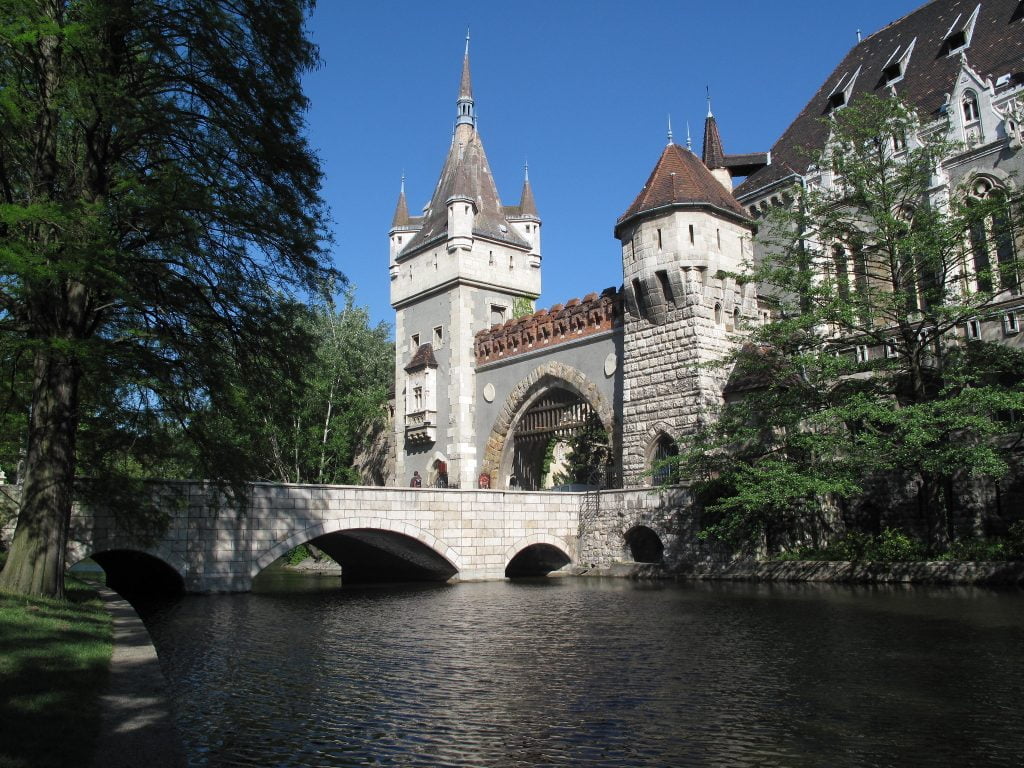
point(580, 90)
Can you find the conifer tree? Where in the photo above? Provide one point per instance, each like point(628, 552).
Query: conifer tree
point(157, 198)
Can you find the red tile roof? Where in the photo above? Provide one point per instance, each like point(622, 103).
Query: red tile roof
point(681, 179)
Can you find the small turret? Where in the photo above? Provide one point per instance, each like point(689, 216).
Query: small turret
point(403, 227)
point(525, 219)
point(461, 214)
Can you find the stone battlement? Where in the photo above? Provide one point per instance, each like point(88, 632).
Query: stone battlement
point(547, 327)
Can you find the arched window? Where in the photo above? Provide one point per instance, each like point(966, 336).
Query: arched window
point(842, 271)
point(970, 106)
point(718, 314)
point(663, 471)
point(992, 236)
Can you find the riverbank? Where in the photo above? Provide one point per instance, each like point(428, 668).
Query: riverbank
point(952, 572)
point(54, 660)
point(136, 728)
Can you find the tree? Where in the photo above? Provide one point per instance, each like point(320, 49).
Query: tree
point(864, 370)
point(157, 198)
point(336, 402)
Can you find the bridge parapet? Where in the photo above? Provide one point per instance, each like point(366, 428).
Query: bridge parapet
point(217, 544)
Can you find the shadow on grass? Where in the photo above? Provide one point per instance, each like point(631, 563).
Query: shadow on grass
point(54, 659)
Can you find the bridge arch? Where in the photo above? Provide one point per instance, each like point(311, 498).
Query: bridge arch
point(643, 544)
point(132, 571)
point(545, 379)
point(536, 555)
point(444, 559)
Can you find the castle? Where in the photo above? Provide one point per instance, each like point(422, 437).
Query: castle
point(483, 392)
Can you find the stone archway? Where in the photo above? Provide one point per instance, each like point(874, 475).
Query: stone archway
point(548, 377)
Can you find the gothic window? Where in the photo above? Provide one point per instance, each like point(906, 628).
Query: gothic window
point(970, 106)
point(662, 450)
point(992, 237)
point(842, 272)
point(718, 314)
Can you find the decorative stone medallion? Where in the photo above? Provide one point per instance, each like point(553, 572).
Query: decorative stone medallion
point(489, 392)
point(610, 364)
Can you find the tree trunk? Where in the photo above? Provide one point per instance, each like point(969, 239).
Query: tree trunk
point(35, 564)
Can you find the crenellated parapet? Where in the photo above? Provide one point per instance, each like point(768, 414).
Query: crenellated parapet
point(548, 327)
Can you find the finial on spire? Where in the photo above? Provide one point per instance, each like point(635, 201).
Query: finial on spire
point(670, 128)
point(466, 114)
point(467, 42)
point(401, 189)
point(526, 170)
point(707, 90)
point(689, 143)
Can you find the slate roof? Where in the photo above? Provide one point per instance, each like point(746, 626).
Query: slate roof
point(996, 48)
point(680, 179)
point(423, 358)
point(466, 173)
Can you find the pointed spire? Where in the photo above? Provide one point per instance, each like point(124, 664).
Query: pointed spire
point(527, 205)
point(669, 127)
point(465, 112)
point(401, 217)
point(713, 154)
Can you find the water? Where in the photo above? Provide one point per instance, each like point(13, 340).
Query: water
point(571, 672)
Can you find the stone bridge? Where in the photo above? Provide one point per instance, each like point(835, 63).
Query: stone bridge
point(387, 534)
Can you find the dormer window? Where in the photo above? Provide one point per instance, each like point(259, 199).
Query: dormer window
point(896, 66)
point(958, 37)
point(840, 95)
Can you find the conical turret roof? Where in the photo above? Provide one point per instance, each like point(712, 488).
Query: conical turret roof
point(466, 174)
point(713, 154)
point(527, 205)
point(401, 217)
point(680, 179)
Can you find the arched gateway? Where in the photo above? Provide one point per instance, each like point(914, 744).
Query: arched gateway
point(554, 402)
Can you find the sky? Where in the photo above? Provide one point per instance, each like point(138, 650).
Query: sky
point(582, 91)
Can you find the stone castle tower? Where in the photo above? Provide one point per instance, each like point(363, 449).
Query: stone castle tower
point(456, 269)
point(681, 233)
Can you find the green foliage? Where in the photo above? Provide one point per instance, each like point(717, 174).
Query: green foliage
point(52, 671)
point(333, 402)
point(890, 546)
point(1009, 547)
point(160, 222)
point(868, 261)
point(522, 306)
point(588, 460)
point(297, 555)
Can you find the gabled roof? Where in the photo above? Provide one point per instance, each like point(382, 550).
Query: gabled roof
point(680, 179)
point(996, 47)
point(424, 358)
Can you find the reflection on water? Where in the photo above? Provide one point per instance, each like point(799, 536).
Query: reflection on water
point(572, 672)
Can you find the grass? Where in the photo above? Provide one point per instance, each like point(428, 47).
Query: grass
point(54, 657)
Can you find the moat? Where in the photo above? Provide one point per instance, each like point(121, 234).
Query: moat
point(591, 672)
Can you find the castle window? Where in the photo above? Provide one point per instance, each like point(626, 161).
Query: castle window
point(490, 258)
point(736, 318)
point(511, 262)
point(970, 107)
point(718, 235)
point(691, 234)
point(414, 343)
point(891, 350)
point(839, 264)
point(974, 329)
point(438, 336)
point(992, 237)
point(399, 239)
point(718, 314)
point(899, 142)
point(896, 66)
point(666, 287)
point(659, 239)
point(1011, 326)
point(663, 450)
point(863, 354)
point(497, 314)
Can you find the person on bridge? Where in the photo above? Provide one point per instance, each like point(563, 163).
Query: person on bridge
point(417, 481)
